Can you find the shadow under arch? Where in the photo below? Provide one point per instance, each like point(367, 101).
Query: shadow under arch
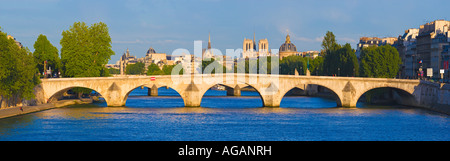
point(67, 93)
point(167, 97)
point(310, 96)
point(220, 98)
point(386, 96)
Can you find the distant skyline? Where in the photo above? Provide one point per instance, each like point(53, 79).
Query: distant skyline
point(169, 25)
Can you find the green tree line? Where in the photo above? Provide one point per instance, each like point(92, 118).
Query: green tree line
point(153, 69)
point(340, 60)
point(18, 72)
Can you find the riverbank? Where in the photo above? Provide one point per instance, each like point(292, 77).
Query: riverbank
point(14, 111)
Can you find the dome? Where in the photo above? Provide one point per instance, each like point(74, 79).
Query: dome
point(288, 46)
point(151, 51)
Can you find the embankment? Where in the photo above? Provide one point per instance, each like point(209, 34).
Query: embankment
point(14, 111)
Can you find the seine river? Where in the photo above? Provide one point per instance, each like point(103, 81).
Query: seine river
point(228, 119)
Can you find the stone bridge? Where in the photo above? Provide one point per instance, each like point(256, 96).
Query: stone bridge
point(272, 88)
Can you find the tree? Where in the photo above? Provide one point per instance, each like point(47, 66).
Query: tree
point(338, 60)
point(85, 50)
point(210, 66)
point(17, 71)
point(45, 51)
point(380, 62)
point(135, 69)
point(167, 70)
point(262, 65)
point(329, 42)
point(153, 69)
point(348, 62)
point(316, 65)
point(114, 71)
point(289, 64)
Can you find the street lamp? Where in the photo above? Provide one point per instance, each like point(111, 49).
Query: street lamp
point(354, 72)
point(339, 71)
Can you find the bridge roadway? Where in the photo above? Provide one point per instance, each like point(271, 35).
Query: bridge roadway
point(272, 88)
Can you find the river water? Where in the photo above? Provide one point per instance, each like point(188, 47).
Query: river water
point(227, 118)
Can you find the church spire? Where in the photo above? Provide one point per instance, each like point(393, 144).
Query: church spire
point(254, 41)
point(209, 40)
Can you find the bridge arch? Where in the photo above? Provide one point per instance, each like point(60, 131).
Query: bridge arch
point(58, 93)
point(148, 86)
point(402, 96)
point(304, 87)
point(233, 87)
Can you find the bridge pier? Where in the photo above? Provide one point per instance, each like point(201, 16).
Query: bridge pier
point(271, 100)
point(348, 98)
point(192, 96)
point(346, 89)
point(152, 91)
point(236, 91)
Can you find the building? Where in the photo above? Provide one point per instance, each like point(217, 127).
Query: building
point(151, 57)
point(208, 53)
point(311, 54)
point(125, 60)
point(445, 59)
point(17, 42)
point(249, 48)
point(432, 38)
point(287, 48)
point(373, 41)
point(406, 47)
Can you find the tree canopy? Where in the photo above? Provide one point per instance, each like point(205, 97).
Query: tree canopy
point(338, 60)
point(380, 62)
point(17, 71)
point(329, 42)
point(289, 64)
point(135, 69)
point(85, 50)
point(210, 66)
point(45, 51)
point(154, 69)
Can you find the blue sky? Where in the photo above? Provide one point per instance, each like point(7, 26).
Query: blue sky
point(167, 25)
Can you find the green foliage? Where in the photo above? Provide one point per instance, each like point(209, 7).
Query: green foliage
point(135, 69)
point(348, 65)
point(329, 42)
point(380, 62)
point(316, 65)
point(290, 63)
point(153, 69)
point(113, 71)
point(339, 60)
point(262, 65)
point(210, 66)
point(45, 51)
point(80, 90)
point(167, 69)
point(85, 50)
point(18, 72)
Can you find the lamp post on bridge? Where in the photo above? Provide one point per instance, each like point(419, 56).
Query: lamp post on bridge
point(339, 72)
